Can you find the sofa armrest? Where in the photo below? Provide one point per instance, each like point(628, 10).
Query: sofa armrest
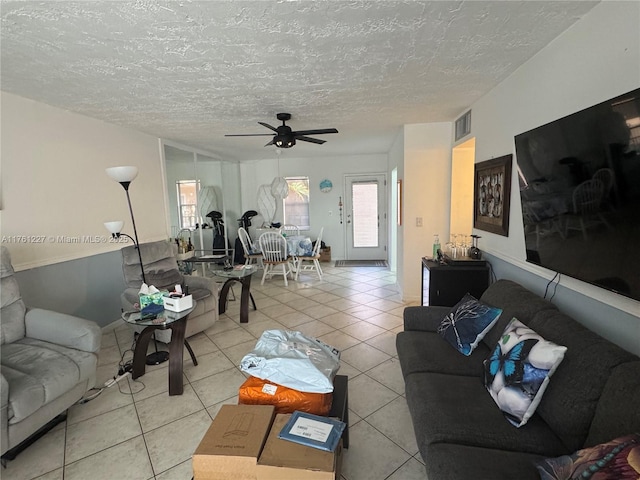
point(194, 282)
point(63, 329)
point(4, 412)
point(424, 319)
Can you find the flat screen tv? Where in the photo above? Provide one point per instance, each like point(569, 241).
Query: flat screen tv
point(580, 192)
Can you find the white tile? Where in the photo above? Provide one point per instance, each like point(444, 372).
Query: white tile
point(389, 374)
point(291, 320)
point(230, 338)
point(340, 319)
point(44, 456)
point(315, 328)
point(163, 408)
point(219, 387)
point(363, 356)
point(367, 396)
point(411, 470)
point(370, 454)
point(54, 475)
point(175, 442)
point(363, 330)
point(110, 399)
point(127, 461)
point(386, 342)
point(394, 421)
point(385, 320)
point(114, 427)
point(207, 365)
point(338, 339)
point(182, 471)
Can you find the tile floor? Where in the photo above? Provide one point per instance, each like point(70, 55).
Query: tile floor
point(136, 431)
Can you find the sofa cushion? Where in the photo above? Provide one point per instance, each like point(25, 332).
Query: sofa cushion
point(467, 323)
point(618, 459)
point(457, 409)
point(618, 410)
point(518, 371)
point(428, 352)
point(570, 402)
point(515, 301)
point(444, 462)
point(39, 372)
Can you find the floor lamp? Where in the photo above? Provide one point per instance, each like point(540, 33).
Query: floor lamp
point(124, 176)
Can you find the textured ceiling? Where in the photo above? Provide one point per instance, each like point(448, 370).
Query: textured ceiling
point(191, 71)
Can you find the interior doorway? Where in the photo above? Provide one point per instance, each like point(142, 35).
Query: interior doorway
point(366, 217)
point(462, 172)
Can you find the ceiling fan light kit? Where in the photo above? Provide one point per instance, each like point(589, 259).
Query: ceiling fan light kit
point(284, 137)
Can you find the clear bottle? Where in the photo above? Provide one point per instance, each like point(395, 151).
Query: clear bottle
point(436, 246)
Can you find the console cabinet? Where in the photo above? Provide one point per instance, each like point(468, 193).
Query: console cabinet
point(445, 285)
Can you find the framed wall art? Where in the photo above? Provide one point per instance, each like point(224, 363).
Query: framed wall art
point(492, 195)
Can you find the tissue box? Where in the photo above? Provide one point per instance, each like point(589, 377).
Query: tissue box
point(177, 304)
point(157, 298)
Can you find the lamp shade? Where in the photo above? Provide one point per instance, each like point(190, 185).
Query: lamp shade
point(279, 188)
point(122, 174)
point(114, 227)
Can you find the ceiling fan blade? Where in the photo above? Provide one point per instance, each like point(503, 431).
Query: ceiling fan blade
point(309, 139)
point(315, 132)
point(248, 134)
point(271, 142)
point(268, 126)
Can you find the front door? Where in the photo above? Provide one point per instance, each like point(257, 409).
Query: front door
point(366, 217)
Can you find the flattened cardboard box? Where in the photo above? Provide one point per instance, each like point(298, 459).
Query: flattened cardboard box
point(284, 460)
point(231, 447)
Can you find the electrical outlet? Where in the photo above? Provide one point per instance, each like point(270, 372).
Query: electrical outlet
point(418, 221)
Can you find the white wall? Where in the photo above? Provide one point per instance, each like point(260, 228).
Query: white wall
point(596, 59)
point(54, 183)
point(323, 207)
point(427, 189)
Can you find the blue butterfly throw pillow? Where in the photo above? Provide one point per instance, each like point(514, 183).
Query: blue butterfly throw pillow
point(467, 323)
point(517, 372)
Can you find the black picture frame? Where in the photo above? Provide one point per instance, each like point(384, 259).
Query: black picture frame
point(492, 195)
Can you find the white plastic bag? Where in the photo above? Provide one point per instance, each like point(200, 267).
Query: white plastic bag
point(293, 360)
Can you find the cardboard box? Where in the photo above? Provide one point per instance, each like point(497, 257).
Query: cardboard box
point(231, 447)
point(284, 460)
point(325, 254)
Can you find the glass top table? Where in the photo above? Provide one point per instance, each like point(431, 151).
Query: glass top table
point(164, 318)
point(243, 276)
point(177, 322)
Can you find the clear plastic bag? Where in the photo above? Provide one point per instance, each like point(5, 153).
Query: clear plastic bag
point(291, 359)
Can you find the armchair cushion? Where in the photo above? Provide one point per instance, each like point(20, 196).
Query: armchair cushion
point(62, 329)
point(160, 265)
point(39, 372)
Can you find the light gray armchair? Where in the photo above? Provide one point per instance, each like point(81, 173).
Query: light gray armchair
point(48, 361)
point(161, 271)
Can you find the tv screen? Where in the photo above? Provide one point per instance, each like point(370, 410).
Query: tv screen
point(580, 192)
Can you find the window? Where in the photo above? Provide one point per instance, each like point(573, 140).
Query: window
point(187, 203)
point(296, 205)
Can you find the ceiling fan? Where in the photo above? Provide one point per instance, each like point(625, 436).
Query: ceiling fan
point(284, 136)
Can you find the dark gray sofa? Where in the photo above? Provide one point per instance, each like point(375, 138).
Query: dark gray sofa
point(593, 397)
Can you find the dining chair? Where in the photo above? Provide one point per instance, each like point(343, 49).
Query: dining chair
point(275, 257)
point(309, 263)
point(587, 207)
point(252, 254)
point(289, 229)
